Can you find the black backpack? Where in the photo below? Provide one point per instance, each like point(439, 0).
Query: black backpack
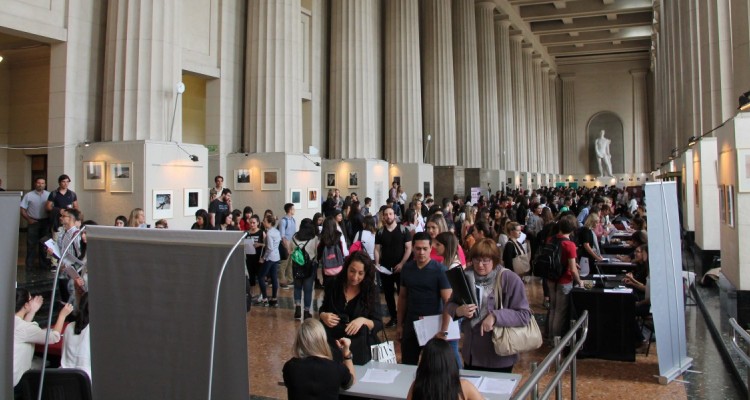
point(302, 265)
point(548, 263)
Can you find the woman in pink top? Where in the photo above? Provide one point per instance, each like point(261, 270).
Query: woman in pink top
point(436, 225)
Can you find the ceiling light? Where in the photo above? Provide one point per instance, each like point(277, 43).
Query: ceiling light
point(1, 58)
point(692, 141)
point(744, 102)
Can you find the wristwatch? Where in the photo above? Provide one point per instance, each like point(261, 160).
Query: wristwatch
point(349, 356)
point(445, 334)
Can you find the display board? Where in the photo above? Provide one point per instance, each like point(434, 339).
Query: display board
point(9, 214)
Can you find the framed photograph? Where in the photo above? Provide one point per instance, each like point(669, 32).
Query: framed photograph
point(243, 179)
point(121, 177)
point(271, 179)
point(730, 205)
point(330, 180)
point(163, 204)
point(397, 179)
point(353, 180)
point(722, 204)
point(296, 198)
point(743, 171)
point(192, 201)
point(93, 175)
point(697, 193)
point(312, 198)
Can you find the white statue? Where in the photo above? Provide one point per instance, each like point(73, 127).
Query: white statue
point(602, 154)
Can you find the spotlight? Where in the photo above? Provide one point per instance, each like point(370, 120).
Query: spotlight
point(86, 143)
point(692, 141)
point(744, 102)
point(194, 158)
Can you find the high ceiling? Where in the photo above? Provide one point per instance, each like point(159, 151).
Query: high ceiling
point(575, 28)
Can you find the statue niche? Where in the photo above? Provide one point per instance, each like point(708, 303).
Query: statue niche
point(605, 139)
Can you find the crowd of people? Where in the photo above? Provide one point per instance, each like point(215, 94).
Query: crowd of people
point(356, 253)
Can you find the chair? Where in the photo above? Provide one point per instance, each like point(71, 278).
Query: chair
point(59, 384)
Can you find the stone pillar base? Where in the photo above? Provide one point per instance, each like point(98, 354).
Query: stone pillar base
point(414, 178)
point(366, 177)
point(449, 181)
point(297, 180)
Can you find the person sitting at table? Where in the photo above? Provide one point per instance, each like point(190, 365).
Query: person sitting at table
point(351, 307)
point(587, 241)
point(27, 333)
point(477, 351)
point(437, 376)
point(637, 239)
point(76, 351)
point(638, 281)
point(311, 373)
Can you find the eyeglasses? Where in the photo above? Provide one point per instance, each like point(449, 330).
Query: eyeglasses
point(482, 261)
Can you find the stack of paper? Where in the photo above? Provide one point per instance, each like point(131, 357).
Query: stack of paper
point(385, 376)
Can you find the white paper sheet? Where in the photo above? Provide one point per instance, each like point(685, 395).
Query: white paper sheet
point(619, 290)
point(385, 376)
point(475, 380)
point(250, 245)
point(497, 386)
point(384, 270)
point(52, 245)
point(605, 276)
point(427, 327)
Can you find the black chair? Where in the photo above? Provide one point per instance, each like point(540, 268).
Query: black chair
point(59, 384)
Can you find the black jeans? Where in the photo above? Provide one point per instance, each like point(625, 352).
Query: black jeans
point(410, 347)
point(34, 234)
point(388, 282)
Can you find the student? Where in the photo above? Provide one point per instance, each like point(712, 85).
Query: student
point(437, 376)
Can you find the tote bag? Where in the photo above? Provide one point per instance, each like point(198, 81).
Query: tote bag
point(384, 351)
point(522, 262)
point(509, 340)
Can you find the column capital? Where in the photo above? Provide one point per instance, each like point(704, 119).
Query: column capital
point(488, 5)
point(568, 77)
point(545, 67)
point(552, 73)
point(516, 35)
point(537, 58)
point(503, 20)
point(639, 72)
point(527, 48)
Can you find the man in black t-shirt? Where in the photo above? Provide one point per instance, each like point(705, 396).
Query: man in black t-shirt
point(60, 199)
point(220, 208)
point(424, 291)
point(392, 250)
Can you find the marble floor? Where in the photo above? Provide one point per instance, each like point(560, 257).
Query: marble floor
point(270, 333)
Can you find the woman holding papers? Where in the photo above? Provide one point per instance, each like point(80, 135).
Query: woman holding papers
point(312, 373)
point(437, 376)
point(351, 307)
point(479, 319)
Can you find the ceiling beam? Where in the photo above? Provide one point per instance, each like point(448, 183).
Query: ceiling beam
point(592, 24)
point(600, 48)
point(632, 33)
point(518, 23)
point(578, 9)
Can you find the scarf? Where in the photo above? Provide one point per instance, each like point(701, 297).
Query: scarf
point(487, 283)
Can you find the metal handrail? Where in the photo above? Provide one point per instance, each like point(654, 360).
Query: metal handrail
point(531, 387)
point(737, 329)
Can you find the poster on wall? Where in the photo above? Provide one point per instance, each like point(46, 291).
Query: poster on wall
point(330, 180)
point(121, 177)
point(296, 198)
point(270, 179)
point(243, 179)
point(353, 180)
point(697, 193)
point(730, 205)
point(192, 201)
point(93, 175)
point(743, 171)
point(722, 204)
point(163, 204)
point(312, 198)
point(475, 193)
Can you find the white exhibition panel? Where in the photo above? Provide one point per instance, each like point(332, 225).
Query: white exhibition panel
point(10, 215)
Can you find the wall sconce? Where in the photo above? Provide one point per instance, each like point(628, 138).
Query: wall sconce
point(692, 141)
point(744, 101)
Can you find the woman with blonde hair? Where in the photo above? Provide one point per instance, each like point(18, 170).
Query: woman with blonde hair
point(312, 373)
point(588, 245)
point(137, 218)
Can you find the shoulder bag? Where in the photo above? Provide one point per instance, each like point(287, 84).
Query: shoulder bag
point(521, 262)
point(384, 351)
point(509, 340)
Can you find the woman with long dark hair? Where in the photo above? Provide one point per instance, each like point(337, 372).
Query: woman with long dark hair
point(351, 307)
point(252, 256)
point(437, 376)
point(76, 352)
point(306, 239)
point(330, 237)
point(202, 222)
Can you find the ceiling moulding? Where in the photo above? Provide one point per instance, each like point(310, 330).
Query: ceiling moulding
point(579, 9)
point(603, 58)
point(508, 9)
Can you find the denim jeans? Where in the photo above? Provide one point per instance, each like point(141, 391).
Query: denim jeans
point(305, 285)
point(269, 268)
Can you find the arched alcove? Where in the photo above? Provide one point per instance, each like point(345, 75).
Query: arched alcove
point(611, 124)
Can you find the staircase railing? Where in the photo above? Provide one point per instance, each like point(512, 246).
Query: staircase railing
point(740, 334)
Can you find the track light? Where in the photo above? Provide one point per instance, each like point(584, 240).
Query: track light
point(692, 141)
point(194, 158)
point(86, 144)
point(744, 102)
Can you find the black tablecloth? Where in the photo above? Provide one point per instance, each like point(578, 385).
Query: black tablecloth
point(619, 248)
point(611, 323)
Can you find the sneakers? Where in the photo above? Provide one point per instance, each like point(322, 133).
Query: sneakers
point(391, 323)
point(285, 286)
point(297, 312)
point(307, 314)
point(273, 303)
point(261, 302)
point(546, 303)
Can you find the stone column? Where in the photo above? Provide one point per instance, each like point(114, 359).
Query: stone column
point(546, 117)
point(519, 103)
point(354, 81)
point(528, 78)
point(403, 98)
point(273, 102)
point(554, 128)
point(466, 83)
point(539, 106)
point(439, 107)
point(641, 160)
point(490, 136)
point(505, 94)
point(726, 95)
point(143, 65)
point(569, 137)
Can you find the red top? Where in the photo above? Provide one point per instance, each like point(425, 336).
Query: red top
point(461, 257)
point(567, 251)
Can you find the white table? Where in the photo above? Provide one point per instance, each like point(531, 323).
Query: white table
point(400, 387)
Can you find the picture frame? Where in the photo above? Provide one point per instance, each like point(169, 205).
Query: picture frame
point(270, 179)
point(94, 177)
point(121, 177)
point(722, 204)
point(192, 201)
point(243, 179)
point(730, 205)
point(295, 197)
point(313, 198)
point(353, 181)
point(163, 204)
point(743, 171)
point(330, 180)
